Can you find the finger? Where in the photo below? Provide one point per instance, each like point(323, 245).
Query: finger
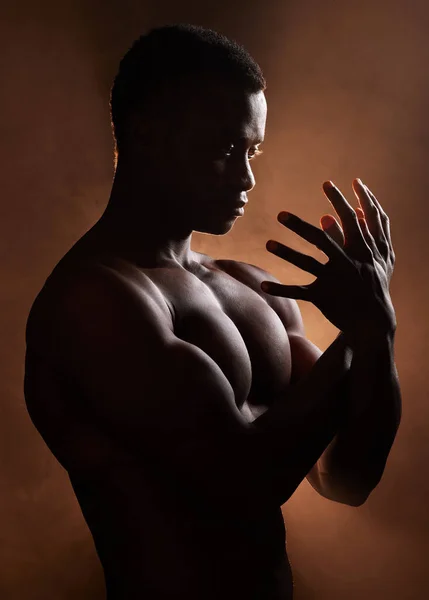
point(360, 214)
point(366, 233)
point(348, 217)
point(333, 229)
point(374, 199)
point(304, 262)
point(371, 213)
point(384, 217)
point(364, 226)
point(297, 292)
point(312, 234)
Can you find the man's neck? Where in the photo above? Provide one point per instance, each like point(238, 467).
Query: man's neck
point(137, 225)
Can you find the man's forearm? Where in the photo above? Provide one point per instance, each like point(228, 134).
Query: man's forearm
point(355, 460)
point(301, 425)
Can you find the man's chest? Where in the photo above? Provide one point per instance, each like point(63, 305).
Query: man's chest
point(227, 319)
point(235, 326)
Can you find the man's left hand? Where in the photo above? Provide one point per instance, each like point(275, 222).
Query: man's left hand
point(374, 223)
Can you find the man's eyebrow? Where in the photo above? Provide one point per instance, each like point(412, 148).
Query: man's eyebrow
point(235, 135)
point(256, 141)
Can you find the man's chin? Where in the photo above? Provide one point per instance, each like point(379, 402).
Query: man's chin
point(216, 228)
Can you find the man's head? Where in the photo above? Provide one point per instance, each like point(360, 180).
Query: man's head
point(188, 108)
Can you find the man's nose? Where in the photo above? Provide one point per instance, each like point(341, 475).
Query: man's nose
point(244, 179)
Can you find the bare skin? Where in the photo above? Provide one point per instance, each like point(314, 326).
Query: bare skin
point(246, 339)
point(149, 364)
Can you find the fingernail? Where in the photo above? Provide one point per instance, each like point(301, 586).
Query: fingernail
point(265, 286)
point(284, 216)
point(328, 185)
point(272, 245)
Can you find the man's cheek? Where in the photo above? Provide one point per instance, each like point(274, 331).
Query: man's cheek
point(218, 168)
point(207, 174)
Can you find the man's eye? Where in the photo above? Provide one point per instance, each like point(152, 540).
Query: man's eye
point(227, 151)
point(254, 152)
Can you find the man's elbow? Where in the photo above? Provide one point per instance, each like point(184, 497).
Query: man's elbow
point(349, 499)
point(355, 500)
point(348, 493)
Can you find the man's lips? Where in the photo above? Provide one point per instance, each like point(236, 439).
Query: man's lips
point(240, 204)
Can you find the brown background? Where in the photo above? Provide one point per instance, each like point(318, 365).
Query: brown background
point(348, 89)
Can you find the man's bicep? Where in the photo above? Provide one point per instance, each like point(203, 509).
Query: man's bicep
point(304, 354)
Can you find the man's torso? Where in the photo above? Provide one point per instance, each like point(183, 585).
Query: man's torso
point(138, 516)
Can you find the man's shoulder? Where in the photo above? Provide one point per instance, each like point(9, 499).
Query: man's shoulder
point(58, 290)
point(79, 289)
point(92, 309)
point(251, 272)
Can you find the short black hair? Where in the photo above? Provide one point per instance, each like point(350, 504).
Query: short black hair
point(166, 56)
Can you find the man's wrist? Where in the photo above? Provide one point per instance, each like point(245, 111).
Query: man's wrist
point(370, 339)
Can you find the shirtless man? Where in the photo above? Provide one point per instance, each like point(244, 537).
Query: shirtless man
point(178, 391)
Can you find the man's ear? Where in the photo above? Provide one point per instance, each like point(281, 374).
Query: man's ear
point(146, 133)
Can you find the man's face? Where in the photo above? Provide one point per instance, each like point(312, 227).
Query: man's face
point(207, 161)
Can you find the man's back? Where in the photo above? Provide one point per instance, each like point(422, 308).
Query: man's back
point(158, 531)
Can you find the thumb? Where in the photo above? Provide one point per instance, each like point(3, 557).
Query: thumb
point(330, 225)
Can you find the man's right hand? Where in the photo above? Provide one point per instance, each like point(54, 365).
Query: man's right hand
point(352, 288)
